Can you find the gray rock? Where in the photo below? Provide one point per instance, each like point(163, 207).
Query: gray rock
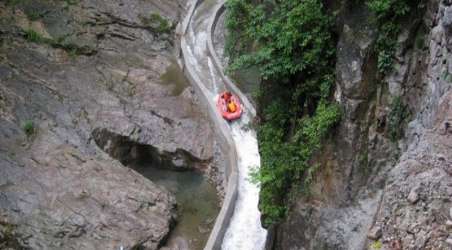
point(203, 229)
point(449, 241)
point(178, 243)
point(360, 163)
point(447, 19)
point(374, 233)
point(449, 224)
point(95, 108)
point(413, 196)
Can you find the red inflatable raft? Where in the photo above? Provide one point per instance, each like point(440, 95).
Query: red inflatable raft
point(225, 99)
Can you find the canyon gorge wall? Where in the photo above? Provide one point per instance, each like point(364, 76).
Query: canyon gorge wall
point(371, 191)
point(86, 87)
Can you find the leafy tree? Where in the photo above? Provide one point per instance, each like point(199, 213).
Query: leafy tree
point(292, 44)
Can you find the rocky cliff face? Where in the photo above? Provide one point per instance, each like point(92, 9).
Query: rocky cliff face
point(371, 192)
point(78, 79)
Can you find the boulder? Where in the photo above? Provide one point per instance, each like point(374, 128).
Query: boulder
point(413, 196)
point(374, 233)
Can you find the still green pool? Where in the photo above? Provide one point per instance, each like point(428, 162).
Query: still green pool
point(197, 201)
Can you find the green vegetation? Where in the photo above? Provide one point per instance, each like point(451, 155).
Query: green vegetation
point(397, 117)
point(286, 162)
point(13, 2)
point(294, 38)
point(71, 48)
point(34, 15)
point(420, 39)
point(292, 44)
point(34, 37)
point(390, 16)
point(71, 2)
point(363, 160)
point(376, 245)
point(446, 76)
point(158, 23)
point(28, 127)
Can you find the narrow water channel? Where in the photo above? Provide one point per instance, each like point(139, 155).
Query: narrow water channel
point(245, 231)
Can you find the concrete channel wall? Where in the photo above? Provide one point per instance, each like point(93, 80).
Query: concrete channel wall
point(223, 135)
point(217, 63)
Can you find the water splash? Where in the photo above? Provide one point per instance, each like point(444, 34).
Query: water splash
point(245, 230)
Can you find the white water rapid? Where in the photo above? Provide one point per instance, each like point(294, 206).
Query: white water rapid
point(244, 231)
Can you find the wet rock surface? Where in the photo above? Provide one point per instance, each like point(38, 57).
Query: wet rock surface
point(81, 87)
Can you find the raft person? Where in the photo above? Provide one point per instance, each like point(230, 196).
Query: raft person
point(232, 107)
point(227, 96)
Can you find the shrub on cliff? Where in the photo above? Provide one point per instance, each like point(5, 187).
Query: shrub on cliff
point(292, 44)
point(389, 15)
point(28, 127)
point(396, 118)
point(286, 162)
